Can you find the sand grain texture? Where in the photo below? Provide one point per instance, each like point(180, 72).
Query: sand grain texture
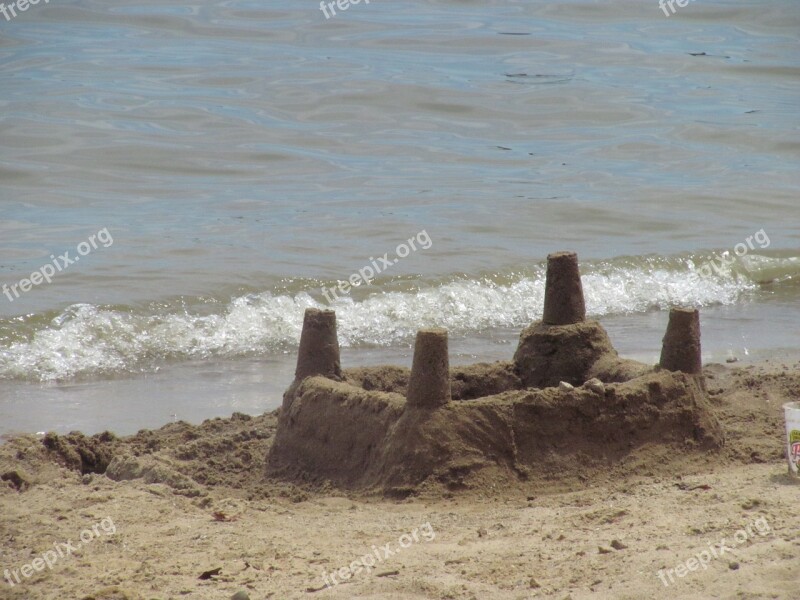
point(604, 535)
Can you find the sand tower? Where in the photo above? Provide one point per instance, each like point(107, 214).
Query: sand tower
point(681, 345)
point(429, 385)
point(563, 295)
point(319, 347)
point(563, 346)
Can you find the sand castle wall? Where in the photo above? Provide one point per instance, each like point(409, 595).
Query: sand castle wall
point(357, 439)
point(333, 431)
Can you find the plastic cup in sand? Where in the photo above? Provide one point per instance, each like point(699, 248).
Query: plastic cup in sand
point(792, 412)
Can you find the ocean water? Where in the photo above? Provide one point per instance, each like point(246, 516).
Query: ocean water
point(190, 176)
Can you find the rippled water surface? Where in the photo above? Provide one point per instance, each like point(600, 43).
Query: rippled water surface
point(244, 155)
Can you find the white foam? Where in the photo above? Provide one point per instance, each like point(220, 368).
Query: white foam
point(86, 340)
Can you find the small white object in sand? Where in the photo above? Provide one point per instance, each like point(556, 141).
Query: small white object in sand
point(595, 385)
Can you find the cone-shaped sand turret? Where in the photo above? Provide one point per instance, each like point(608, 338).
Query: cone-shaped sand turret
point(563, 294)
point(319, 346)
point(681, 347)
point(429, 386)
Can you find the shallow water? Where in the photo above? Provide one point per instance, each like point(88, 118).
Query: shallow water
point(243, 155)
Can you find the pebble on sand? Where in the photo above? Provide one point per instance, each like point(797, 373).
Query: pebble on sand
point(595, 385)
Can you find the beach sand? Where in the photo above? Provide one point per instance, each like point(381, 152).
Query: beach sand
point(189, 500)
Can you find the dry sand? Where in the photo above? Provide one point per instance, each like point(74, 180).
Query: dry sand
point(192, 499)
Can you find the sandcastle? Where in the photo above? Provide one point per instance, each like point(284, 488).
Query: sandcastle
point(565, 404)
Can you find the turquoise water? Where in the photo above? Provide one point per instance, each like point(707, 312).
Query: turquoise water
point(244, 156)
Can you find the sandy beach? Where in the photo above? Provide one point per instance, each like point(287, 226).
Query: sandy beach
point(192, 514)
point(399, 302)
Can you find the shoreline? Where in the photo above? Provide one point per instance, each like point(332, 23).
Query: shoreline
point(192, 390)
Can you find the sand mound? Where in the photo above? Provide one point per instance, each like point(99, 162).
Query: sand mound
point(81, 453)
point(226, 454)
point(125, 467)
point(575, 353)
